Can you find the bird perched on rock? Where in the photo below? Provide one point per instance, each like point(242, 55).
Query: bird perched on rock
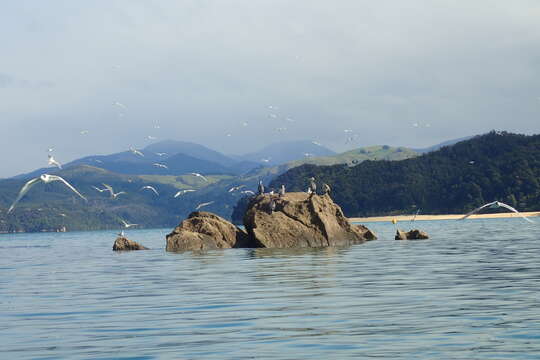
point(326, 189)
point(312, 185)
point(272, 206)
point(282, 190)
point(260, 187)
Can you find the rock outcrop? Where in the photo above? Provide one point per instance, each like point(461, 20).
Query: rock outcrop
point(122, 244)
point(411, 235)
point(205, 231)
point(300, 220)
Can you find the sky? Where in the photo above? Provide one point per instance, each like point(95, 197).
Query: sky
point(236, 75)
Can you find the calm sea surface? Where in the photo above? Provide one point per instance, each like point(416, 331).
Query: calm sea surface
point(471, 292)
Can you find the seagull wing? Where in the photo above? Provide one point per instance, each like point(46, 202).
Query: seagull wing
point(477, 210)
point(514, 210)
point(109, 188)
point(98, 189)
point(123, 222)
point(154, 190)
point(23, 191)
point(58, 178)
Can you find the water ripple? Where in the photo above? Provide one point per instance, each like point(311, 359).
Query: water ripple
point(468, 293)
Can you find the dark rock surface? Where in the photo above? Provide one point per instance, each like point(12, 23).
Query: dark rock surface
point(300, 220)
point(411, 235)
point(122, 244)
point(205, 231)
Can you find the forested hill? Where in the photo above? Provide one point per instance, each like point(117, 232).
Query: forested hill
point(455, 179)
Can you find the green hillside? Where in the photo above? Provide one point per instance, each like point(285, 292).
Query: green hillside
point(378, 152)
point(454, 179)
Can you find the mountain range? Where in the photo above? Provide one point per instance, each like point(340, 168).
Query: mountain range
point(454, 179)
point(128, 172)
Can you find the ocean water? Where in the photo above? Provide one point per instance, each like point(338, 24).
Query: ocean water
point(470, 292)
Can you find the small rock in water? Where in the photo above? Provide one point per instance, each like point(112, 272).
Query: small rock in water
point(411, 235)
point(123, 243)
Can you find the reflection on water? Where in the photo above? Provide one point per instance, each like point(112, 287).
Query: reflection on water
point(469, 292)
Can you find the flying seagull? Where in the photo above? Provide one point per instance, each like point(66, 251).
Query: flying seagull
point(248, 192)
point(496, 205)
point(182, 192)
point(161, 154)
point(126, 225)
point(54, 162)
point(46, 178)
point(149, 188)
point(84, 132)
point(149, 137)
point(135, 151)
point(110, 189)
point(199, 175)
point(203, 205)
point(100, 190)
point(120, 105)
point(160, 165)
point(235, 188)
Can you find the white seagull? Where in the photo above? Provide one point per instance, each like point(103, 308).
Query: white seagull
point(247, 192)
point(203, 205)
point(135, 151)
point(163, 166)
point(46, 178)
point(126, 225)
point(110, 189)
point(161, 154)
point(120, 105)
point(199, 175)
point(149, 137)
point(182, 192)
point(84, 132)
point(151, 188)
point(496, 205)
point(54, 162)
point(100, 190)
point(234, 188)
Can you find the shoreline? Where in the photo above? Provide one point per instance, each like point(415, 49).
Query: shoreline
point(399, 218)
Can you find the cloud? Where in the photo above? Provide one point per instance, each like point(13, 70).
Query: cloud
point(202, 68)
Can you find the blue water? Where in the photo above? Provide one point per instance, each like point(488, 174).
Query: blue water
point(471, 292)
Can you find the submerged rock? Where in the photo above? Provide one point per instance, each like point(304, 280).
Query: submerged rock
point(205, 231)
point(411, 235)
point(300, 220)
point(122, 244)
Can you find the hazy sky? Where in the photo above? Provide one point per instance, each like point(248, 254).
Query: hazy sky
point(410, 73)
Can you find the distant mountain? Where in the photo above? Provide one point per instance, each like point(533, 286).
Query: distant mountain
point(52, 206)
point(286, 151)
point(179, 158)
point(454, 179)
point(445, 143)
point(356, 156)
point(173, 147)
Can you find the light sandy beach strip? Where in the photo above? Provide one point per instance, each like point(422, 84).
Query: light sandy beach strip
point(441, 217)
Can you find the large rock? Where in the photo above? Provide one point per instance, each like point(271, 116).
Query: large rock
point(411, 235)
point(122, 243)
point(300, 220)
point(205, 231)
